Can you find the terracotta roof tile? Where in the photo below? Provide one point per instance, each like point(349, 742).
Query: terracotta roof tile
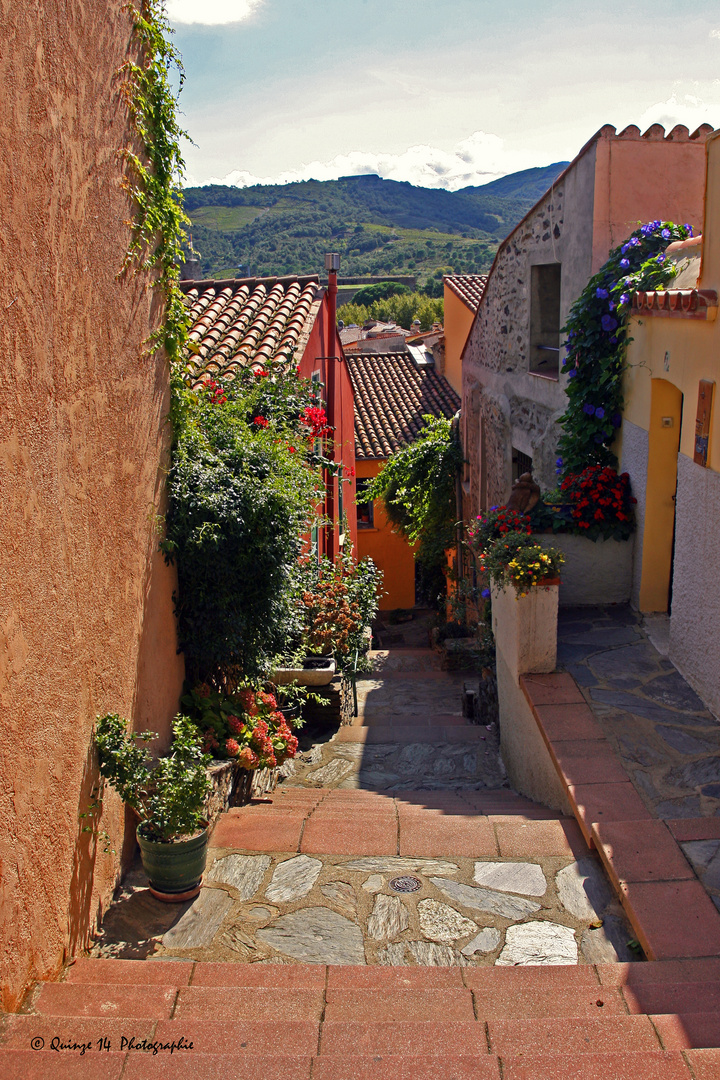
point(245, 322)
point(392, 394)
point(697, 303)
point(468, 287)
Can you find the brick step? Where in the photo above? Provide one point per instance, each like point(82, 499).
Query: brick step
point(192, 1065)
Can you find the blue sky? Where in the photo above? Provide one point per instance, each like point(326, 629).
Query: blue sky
point(441, 94)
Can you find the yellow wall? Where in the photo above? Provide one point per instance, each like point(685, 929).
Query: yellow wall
point(457, 320)
point(391, 553)
point(667, 359)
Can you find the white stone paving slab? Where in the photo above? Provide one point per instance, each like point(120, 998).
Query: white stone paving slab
point(335, 770)
point(242, 872)
point(196, 928)
point(343, 896)
point(495, 903)
point(399, 864)
point(583, 889)
point(514, 877)
point(440, 922)
point(393, 955)
point(373, 884)
point(430, 954)
point(316, 935)
point(486, 941)
point(293, 879)
point(537, 944)
point(389, 918)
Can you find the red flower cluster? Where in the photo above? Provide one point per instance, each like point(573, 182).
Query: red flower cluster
point(496, 524)
point(316, 419)
point(598, 494)
point(261, 421)
point(261, 373)
point(215, 392)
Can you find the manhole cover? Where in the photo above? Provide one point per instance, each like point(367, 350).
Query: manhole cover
point(406, 883)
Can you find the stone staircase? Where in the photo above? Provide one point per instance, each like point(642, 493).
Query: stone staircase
point(161, 1020)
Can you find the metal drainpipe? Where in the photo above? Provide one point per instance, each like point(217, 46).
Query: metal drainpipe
point(458, 506)
point(332, 265)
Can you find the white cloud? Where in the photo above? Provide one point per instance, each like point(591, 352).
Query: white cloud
point(715, 33)
point(211, 12)
point(473, 161)
point(684, 109)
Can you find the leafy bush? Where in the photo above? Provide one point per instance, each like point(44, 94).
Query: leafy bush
point(241, 497)
point(402, 309)
point(380, 291)
point(246, 726)
point(169, 796)
point(495, 524)
point(339, 602)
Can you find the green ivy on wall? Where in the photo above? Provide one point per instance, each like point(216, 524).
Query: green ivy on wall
point(153, 180)
point(597, 342)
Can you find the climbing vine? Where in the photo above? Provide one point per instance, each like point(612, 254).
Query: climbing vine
point(597, 342)
point(154, 183)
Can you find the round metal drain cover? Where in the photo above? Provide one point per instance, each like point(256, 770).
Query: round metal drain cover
point(406, 883)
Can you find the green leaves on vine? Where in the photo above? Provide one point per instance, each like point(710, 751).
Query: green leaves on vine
point(597, 342)
point(153, 180)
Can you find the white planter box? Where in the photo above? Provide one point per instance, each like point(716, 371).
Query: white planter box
point(304, 676)
point(525, 628)
point(595, 572)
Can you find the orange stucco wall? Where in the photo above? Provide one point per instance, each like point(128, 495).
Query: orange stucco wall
point(390, 552)
point(458, 320)
point(86, 622)
point(627, 191)
point(341, 410)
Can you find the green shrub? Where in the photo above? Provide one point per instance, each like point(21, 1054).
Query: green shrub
point(380, 291)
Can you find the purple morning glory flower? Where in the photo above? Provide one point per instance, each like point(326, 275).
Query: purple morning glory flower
point(602, 294)
point(625, 263)
point(660, 259)
point(665, 234)
point(558, 461)
point(493, 508)
point(572, 373)
point(589, 409)
point(616, 419)
point(608, 323)
point(612, 305)
point(599, 412)
point(613, 340)
point(485, 593)
point(625, 298)
point(624, 248)
point(689, 228)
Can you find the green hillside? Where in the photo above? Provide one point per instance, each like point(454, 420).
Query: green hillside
point(378, 226)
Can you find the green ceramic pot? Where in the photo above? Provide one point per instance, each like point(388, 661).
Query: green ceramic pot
point(175, 867)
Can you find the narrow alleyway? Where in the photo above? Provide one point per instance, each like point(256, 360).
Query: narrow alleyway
point(397, 841)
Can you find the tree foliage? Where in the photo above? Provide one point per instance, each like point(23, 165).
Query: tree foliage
point(417, 487)
point(402, 309)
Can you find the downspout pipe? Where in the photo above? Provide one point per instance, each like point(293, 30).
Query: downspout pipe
point(458, 506)
point(332, 265)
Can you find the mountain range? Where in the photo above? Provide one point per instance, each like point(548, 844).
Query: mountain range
point(378, 226)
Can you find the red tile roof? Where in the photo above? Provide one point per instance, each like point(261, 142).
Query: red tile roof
point(247, 322)
point(697, 303)
point(468, 287)
point(392, 394)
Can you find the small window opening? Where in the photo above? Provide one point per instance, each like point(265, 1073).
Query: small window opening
point(365, 506)
point(521, 463)
point(545, 320)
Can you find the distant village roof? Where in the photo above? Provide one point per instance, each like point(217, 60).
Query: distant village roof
point(392, 394)
point(248, 322)
point(467, 287)
point(377, 335)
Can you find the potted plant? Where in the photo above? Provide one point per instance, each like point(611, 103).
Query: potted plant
point(168, 796)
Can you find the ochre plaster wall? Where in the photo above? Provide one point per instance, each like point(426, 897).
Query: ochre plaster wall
point(389, 551)
point(86, 621)
point(458, 320)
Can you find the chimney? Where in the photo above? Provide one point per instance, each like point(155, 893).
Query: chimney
point(332, 265)
point(191, 270)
